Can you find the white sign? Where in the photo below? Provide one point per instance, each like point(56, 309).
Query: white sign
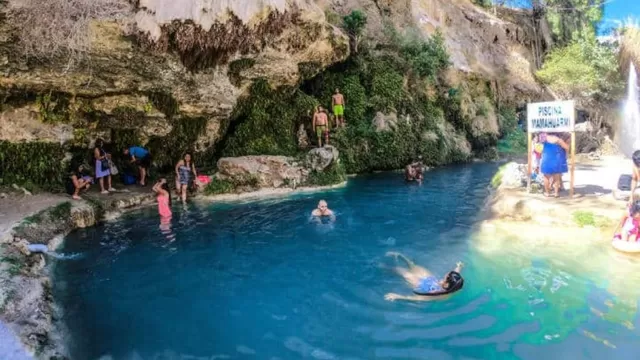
point(554, 116)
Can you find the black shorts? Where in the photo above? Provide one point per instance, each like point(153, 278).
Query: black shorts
point(145, 162)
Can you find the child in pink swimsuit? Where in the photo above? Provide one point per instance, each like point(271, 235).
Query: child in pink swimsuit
point(164, 199)
point(630, 226)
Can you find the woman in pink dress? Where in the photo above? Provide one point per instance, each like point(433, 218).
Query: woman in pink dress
point(164, 199)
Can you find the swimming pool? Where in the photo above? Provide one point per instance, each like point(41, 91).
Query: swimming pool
point(258, 280)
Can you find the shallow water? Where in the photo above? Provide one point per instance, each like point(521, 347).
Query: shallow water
point(260, 281)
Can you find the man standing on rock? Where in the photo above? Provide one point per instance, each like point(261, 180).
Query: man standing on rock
point(337, 103)
point(321, 126)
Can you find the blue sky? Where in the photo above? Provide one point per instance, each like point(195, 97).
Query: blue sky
point(620, 10)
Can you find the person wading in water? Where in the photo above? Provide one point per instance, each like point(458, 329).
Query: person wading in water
point(321, 126)
point(337, 103)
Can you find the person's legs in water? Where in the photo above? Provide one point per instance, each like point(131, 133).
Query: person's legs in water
point(183, 192)
point(414, 269)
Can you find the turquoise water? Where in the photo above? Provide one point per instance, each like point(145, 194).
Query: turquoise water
point(260, 281)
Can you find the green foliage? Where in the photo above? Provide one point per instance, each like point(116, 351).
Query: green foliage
point(309, 69)
point(426, 57)
point(587, 218)
point(167, 150)
point(236, 67)
point(53, 108)
point(571, 19)
point(266, 122)
point(334, 174)
point(333, 17)
point(163, 101)
point(387, 90)
point(354, 24)
point(513, 140)
point(496, 180)
point(61, 211)
point(32, 163)
point(483, 3)
point(239, 184)
point(584, 68)
point(217, 186)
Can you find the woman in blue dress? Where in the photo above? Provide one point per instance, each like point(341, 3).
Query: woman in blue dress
point(553, 162)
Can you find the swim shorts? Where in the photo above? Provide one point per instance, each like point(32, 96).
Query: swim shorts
point(428, 284)
point(338, 110)
point(321, 130)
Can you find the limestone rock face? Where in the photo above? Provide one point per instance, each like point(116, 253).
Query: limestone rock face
point(261, 171)
point(303, 138)
point(200, 55)
point(319, 159)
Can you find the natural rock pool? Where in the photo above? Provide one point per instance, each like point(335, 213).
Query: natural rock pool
point(258, 280)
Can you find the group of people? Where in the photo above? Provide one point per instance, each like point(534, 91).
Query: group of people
point(549, 158)
point(425, 285)
point(104, 168)
point(320, 121)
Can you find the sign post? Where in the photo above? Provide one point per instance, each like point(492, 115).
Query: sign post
point(554, 117)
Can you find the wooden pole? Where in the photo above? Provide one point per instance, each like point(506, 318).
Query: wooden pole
point(529, 135)
point(573, 161)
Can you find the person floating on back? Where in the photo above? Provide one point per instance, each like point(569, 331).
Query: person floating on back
point(321, 126)
point(425, 285)
point(337, 104)
point(142, 158)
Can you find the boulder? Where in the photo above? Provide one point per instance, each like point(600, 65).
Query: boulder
point(384, 122)
point(319, 159)
point(514, 176)
point(261, 170)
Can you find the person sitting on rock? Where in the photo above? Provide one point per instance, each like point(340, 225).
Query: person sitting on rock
point(142, 158)
point(321, 125)
point(629, 227)
point(78, 181)
point(322, 210)
point(635, 175)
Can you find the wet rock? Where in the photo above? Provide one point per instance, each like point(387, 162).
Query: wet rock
point(261, 171)
point(514, 176)
point(319, 159)
point(384, 122)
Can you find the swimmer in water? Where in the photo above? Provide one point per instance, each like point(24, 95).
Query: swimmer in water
point(423, 281)
point(322, 210)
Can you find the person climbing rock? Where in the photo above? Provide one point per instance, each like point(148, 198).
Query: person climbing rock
point(337, 104)
point(321, 126)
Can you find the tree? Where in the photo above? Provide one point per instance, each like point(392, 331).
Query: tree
point(354, 23)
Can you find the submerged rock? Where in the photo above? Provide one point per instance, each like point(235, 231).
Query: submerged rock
point(320, 158)
point(261, 171)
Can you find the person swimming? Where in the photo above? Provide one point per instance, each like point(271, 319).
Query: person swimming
point(322, 210)
point(426, 286)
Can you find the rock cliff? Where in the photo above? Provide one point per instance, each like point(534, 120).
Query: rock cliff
point(170, 74)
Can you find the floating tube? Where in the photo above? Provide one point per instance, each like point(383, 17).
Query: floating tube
point(458, 283)
point(626, 246)
point(38, 248)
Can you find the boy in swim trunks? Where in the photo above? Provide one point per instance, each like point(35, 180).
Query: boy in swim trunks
point(321, 126)
point(337, 103)
point(422, 280)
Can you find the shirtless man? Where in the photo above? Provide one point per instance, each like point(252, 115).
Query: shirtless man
point(322, 210)
point(321, 126)
point(337, 103)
